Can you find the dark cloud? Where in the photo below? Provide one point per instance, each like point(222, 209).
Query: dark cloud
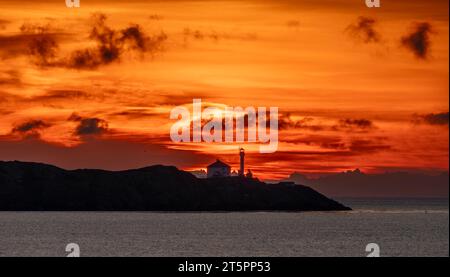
point(433, 118)
point(112, 44)
point(43, 49)
point(30, 125)
point(136, 113)
point(286, 122)
point(3, 23)
point(40, 46)
point(155, 17)
point(323, 141)
point(355, 123)
point(41, 41)
point(89, 126)
point(180, 99)
point(350, 147)
point(38, 28)
point(293, 23)
point(196, 34)
point(74, 117)
point(367, 146)
point(364, 30)
point(309, 123)
point(30, 128)
point(418, 41)
point(62, 94)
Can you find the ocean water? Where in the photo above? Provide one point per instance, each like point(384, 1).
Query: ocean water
point(410, 227)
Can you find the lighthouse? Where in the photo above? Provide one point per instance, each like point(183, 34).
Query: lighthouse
point(241, 156)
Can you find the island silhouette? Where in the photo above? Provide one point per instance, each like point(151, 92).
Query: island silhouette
point(27, 186)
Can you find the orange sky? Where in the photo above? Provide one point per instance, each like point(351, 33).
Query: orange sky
point(355, 87)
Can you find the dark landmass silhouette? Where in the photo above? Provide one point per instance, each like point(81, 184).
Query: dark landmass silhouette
point(42, 187)
point(396, 184)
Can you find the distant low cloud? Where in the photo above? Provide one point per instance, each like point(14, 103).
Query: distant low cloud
point(418, 40)
point(89, 126)
point(433, 118)
point(364, 30)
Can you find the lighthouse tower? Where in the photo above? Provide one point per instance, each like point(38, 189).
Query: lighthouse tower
point(241, 156)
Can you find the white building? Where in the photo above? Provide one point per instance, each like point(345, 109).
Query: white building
point(218, 169)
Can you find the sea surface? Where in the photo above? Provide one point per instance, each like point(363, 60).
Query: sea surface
point(412, 227)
